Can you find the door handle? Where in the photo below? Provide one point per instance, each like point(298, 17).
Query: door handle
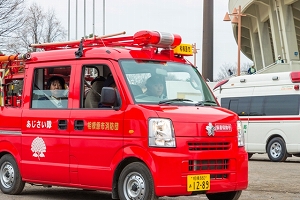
point(62, 124)
point(78, 125)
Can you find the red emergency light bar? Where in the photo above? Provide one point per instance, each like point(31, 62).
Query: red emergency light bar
point(156, 39)
point(140, 39)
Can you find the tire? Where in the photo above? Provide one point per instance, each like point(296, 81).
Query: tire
point(136, 182)
point(11, 180)
point(234, 195)
point(276, 150)
point(250, 155)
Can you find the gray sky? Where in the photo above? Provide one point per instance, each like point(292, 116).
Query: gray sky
point(174, 16)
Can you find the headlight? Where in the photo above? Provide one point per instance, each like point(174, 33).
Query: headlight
point(161, 133)
point(241, 138)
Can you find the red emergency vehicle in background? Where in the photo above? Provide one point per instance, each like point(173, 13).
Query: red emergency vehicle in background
point(120, 139)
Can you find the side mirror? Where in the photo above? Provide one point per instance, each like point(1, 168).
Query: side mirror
point(108, 96)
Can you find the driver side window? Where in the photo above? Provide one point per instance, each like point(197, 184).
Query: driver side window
point(50, 87)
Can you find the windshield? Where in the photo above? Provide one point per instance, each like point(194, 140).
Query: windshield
point(166, 83)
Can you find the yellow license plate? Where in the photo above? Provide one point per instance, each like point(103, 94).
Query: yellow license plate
point(198, 182)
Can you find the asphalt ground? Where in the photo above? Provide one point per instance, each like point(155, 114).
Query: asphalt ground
point(267, 181)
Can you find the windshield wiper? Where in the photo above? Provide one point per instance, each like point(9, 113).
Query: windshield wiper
point(168, 101)
point(207, 102)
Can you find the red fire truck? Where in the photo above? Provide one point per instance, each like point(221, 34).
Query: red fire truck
point(130, 115)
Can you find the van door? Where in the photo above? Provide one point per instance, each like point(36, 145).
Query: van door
point(257, 126)
point(45, 123)
point(239, 105)
point(96, 136)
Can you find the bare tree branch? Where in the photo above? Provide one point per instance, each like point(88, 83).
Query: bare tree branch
point(39, 27)
point(223, 70)
point(54, 31)
point(11, 19)
point(11, 16)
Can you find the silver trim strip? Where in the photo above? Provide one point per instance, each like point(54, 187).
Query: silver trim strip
point(2, 132)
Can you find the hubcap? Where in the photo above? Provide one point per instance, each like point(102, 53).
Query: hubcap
point(276, 150)
point(134, 186)
point(7, 175)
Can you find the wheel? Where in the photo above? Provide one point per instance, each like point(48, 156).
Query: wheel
point(250, 155)
point(234, 195)
point(135, 182)
point(11, 181)
point(276, 150)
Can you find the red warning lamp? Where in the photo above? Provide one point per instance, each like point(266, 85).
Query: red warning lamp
point(295, 77)
point(221, 83)
point(157, 39)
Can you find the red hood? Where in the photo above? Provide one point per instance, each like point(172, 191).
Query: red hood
point(193, 114)
point(193, 121)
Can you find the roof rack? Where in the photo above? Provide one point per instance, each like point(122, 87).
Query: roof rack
point(105, 40)
point(140, 39)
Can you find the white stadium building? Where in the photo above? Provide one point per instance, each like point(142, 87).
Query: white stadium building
point(269, 28)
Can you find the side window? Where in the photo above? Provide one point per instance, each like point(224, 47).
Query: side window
point(282, 105)
point(233, 105)
point(256, 106)
point(225, 102)
point(13, 92)
point(50, 87)
point(239, 105)
point(243, 108)
point(263, 105)
point(94, 78)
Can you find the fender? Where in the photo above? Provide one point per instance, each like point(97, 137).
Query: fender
point(142, 154)
point(272, 134)
point(136, 152)
point(8, 147)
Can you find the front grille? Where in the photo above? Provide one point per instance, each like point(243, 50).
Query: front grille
point(210, 166)
point(218, 176)
point(208, 146)
point(198, 165)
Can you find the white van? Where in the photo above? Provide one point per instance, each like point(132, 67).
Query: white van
point(268, 106)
